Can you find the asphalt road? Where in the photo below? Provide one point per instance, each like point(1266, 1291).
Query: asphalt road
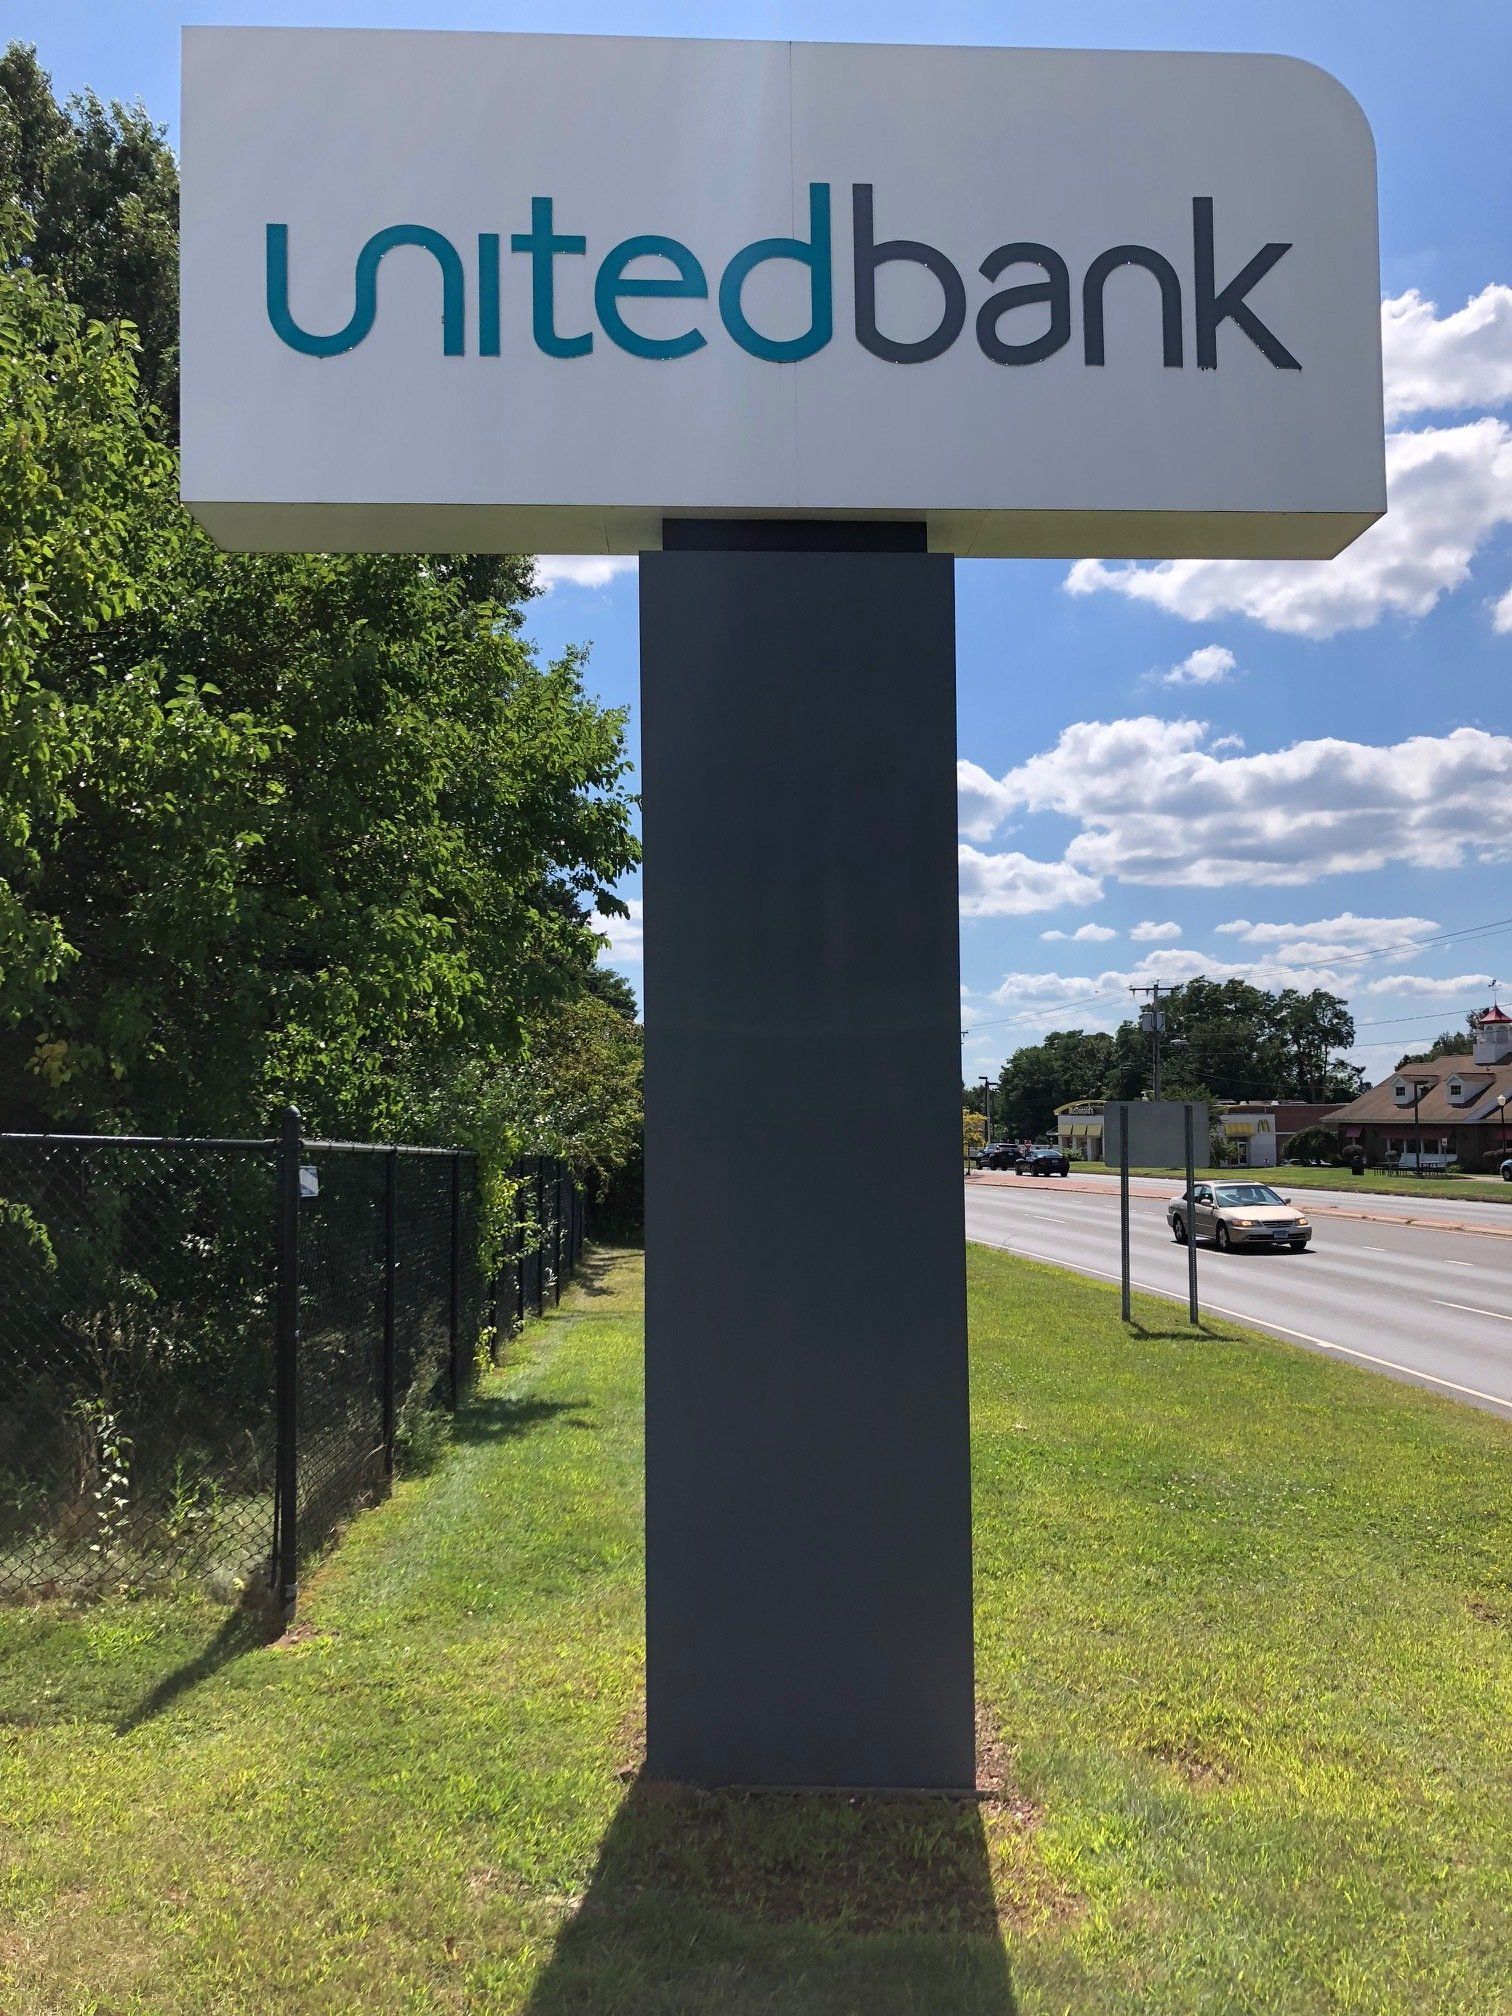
point(1422, 1210)
point(1415, 1302)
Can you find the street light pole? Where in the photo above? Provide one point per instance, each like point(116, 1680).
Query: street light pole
point(1501, 1100)
point(986, 1107)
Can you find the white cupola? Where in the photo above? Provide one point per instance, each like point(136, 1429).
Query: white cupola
point(1493, 1036)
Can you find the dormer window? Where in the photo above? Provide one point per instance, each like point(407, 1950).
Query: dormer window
point(1403, 1092)
point(1456, 1090)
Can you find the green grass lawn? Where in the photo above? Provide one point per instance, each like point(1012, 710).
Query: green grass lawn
point(1374, 1182)
point(1243, 1622)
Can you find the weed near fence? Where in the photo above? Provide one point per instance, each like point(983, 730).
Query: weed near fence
point(213, 1351)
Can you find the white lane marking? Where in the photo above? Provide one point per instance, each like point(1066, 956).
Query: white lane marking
point(1459, 1263)
point(1304, 1336)
point(1470, 1310)
point(1390, 1364)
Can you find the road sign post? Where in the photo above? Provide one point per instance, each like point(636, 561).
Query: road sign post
point(1124, 1269)
point(1189, 1130)
point(1154, 1134)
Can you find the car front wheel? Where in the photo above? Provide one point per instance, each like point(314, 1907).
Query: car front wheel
point(1178, 1231)
point(1225, 1243)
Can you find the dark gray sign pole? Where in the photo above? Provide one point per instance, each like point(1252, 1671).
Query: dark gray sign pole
point(1191, 1211)
point(808, 1505)
point(1123, 1213)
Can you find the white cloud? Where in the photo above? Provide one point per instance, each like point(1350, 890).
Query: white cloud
point(1101, 1000)
point(1471, 985)
point(1156, 806)
point(624, 933)
point(1449, 489)
point(1011, 885)
point(981, 806)
point(1226, 742)
point(1208, 665)
point(1084, 934)
point(581, 570)
point(1436, 362)
point(1332, 937)
point(1501, 615)
point(1075, 987)
point(1149, 933)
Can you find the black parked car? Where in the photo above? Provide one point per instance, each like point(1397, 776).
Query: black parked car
point(996, 1155)
point(1043, 1162)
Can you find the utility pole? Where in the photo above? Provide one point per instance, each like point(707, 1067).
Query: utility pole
point(986, 1107)
point(1152, 1022)
point(1419, 1087)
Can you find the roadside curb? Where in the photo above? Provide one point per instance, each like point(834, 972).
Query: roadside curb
point(1146, 1186)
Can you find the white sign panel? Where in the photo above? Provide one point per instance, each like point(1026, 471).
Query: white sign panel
point(514, 292)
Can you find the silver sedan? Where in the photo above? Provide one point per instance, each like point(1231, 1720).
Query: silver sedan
point(1240, 1214)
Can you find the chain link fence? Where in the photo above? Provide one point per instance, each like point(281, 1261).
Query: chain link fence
point(213, 1351)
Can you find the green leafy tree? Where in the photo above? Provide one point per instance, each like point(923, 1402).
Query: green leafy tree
point(99, 186)
point(73, 466)
point(1223, 1040)
point(1452, 1043)
point(316, 827)
point(325, 825)
point(1238, 1041)
point(1313, 1144)
point(1067, 1064)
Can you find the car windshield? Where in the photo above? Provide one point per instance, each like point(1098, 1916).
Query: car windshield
point(1248, 1193)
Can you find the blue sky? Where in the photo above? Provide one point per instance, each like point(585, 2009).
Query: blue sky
point(1300, 772)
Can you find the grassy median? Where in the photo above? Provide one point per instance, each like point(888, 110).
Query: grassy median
point(1243, 1621)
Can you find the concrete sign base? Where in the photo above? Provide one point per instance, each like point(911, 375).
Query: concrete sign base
point(808, 1518)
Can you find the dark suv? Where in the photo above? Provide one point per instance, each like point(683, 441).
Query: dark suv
point(1042, 1162)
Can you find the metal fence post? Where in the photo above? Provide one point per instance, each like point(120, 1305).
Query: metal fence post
point(453, 1317)
point(286, 1367)
point(390, 1297)
point(556, 1237)
point(519, 1240)
point(540, 1162)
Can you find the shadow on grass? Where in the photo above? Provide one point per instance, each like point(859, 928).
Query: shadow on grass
point(502, 1419)
point(1183, 1333)
point(818, 1904)
point(116, 1665)
point(596, 1265)
point(243, 1631)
